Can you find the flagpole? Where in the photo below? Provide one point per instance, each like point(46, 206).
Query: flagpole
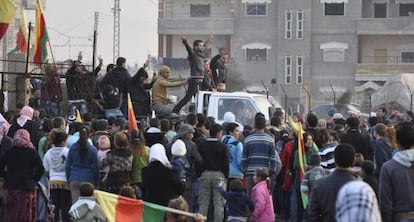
point(28, 49)
point(51, 52)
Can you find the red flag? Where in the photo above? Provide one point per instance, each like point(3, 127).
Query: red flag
point(22, 35)
point(132, 121)
point(40, 55)
point(7, 12)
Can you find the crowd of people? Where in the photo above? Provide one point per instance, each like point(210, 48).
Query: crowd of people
point(105, 92)
point(356, 169)
point(352, 172)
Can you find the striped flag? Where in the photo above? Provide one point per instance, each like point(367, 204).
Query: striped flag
point(123, 209)
point(302, 158)
point(22, 35)
point(7, 12)
point(132, 121)
point(40, 54)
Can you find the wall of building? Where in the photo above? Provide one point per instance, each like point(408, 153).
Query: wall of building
point(255, 29)
point(394, 44)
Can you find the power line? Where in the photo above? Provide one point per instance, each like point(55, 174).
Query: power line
point(68, 36)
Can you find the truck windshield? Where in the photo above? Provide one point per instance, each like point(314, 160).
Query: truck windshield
point(263, 105)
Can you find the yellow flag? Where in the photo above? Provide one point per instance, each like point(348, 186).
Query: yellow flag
point(78, 117)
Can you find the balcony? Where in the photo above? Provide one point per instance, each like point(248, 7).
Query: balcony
point(385, 26)
point(385, 65)
point(196, 26)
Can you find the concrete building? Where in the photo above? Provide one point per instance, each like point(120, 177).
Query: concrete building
point(320, 47)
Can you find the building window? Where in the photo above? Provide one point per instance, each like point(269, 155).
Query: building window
point(407, 9)
point(299, 25)
point(380, 10)
point(334, 8)
point(256, 54)
point(256, 9)
point(288, 69)
point(288, 25)
point(334, 51)
point(256, 51)
point(200, 10)
point(299, 70)
point(407, 57)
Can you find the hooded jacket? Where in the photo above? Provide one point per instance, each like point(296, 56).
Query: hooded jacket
point(396, 185)
point(54, 162)
point(86, 209)
point(263, 203)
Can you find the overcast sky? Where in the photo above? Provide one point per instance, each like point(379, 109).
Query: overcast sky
point(71, 23)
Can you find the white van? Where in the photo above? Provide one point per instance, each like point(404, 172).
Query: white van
point(215, 104)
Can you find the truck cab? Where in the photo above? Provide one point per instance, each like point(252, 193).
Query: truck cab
point(242, 104)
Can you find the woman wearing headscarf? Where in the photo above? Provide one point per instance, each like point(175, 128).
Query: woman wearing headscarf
point(160, 184)
point(25, 121)
point(82, 163)
point(24, 169)
point(138, 89)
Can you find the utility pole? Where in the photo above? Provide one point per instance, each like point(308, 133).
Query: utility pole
point(117, 29)
point(95, 38)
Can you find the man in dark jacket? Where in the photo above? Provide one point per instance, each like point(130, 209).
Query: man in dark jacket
point(396, 196)
point(359, 141)
point(217, 65)
point(323, 198)
point(140, 96)
point(119, 78)
point(196, 59)
point(215, 168)
point(382, 148)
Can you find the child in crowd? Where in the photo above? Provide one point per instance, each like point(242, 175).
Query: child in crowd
point(367, 174)
point(180, 204)
point(54, 163)
point(119, 160)
point(237, 201)
point(359, 160)
point(313, 174)
point(128, 191)
point(261, 197)
point(179, 162)
point(86, 208)
point(104, 146)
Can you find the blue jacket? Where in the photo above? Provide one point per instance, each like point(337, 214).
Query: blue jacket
point(382, 154)
point(236, 203)
point(87, 171)
point(235, 148)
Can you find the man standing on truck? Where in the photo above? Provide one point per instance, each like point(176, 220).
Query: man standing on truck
point(159, 91)
point(196, 59)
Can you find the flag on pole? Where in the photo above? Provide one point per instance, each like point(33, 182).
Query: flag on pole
point(302, 158)
point(123, 209)
point(132, 121)
point(78, 117)
point(22, 35)
point(40, 54)
point(7, 12)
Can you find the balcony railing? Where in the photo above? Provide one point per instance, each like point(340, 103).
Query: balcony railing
point(386, 59)
point(385, 65)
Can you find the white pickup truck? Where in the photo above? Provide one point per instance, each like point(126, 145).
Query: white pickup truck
point(215, 104)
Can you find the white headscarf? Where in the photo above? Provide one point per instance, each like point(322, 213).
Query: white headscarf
point(157, 153)
point(356, 201)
